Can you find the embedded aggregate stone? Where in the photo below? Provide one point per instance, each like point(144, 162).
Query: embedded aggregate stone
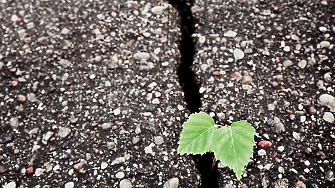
point(10, 185)
point(125, 183)
point(63, 132)
point(171, 183)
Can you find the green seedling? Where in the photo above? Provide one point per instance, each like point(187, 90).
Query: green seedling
point(232, 145)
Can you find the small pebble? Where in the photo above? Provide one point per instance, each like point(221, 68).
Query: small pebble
point(287, 63)
point(327, 77)
point(119, 160)
point(125, 183)
point(172, 183)
point(117, 112)
point(294, 37)
point(296, 135)
point(21, 98)
point(119, 175)
point(230, 34)
point(65, 31)
point(158, 10)
point(63, 132)
point(265, 143)
point(97, 58)
point(330, 176)
point(329, 117)
point(302, 64)
point(328, 101)
point(247, 80)
point(238, 54)
point(287, 49)
point(202, 39)
point(39, 171)
point(280, 78)
point(92, 76)
point(10, 185)
point(78, 166)
point(261, 152)
point(30, 170)
point(69, 185)
point(324, 44)
point(323, 29)
point(104, 165)
point(159, 140)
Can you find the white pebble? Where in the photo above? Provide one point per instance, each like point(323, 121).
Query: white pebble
point(117, 111)
point(155, 101)
point(307, 163)
point(148, 149)
point(104, 165)
point(119, 160)
point(329, 117)
point(296, 135)
point(92, 76)
point(324, 44)
point(261, 152)
point(119, 175)
point(202, 89)
point(202, 39)
point(10, 185)
point(302, 64)
point(157, 50)
point(323, 29)
point(328, 101)
point(287, 49)
point(281, 148)
point(158, 10)
point(125, 184)
point(230, 34)
point(238, 54)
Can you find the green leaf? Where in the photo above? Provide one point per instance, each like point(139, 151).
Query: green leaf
point(197, 134)
point(233, 146)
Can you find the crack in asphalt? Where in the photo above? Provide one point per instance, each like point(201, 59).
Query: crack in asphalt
point(187, 81)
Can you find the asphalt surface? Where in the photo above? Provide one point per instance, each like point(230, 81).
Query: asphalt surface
point(90, 97)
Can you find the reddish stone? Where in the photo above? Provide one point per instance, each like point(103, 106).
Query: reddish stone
point(14, 83)
point(94, 124)
point(300, 184)
point(265, 143)
point(30, 170)
point(163, 39)
point(3, 169)
point(164, 20)
point(274, 154)
point(233, 75)
point(216, 73)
